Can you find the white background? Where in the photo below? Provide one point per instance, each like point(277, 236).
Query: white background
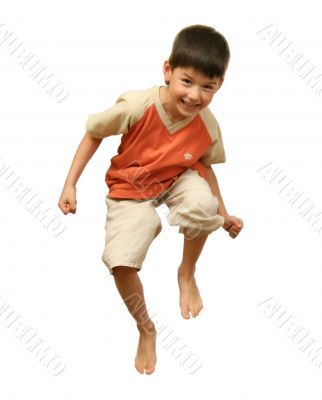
point(60, 285)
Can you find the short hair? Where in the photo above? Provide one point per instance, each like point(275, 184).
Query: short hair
point(202, 48)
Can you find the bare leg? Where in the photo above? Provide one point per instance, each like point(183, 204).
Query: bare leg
point(190, 300)
point(130, 288)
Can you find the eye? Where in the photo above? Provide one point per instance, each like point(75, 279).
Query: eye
point(186, 81)
point(208, 87)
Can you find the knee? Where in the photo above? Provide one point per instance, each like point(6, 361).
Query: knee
point(197, 216)
point(210, 205)
point(202, 205)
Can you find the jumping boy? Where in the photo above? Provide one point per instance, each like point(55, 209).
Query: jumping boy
point(169, 140)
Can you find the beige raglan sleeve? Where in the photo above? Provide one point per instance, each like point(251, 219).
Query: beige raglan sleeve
point(215, 153)
point(113, 121)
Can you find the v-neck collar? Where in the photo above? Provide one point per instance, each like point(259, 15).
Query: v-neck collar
point(171, 127)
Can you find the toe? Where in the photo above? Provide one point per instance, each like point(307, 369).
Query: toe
point(149, 371)
point(139, 369)
point(185, 313)
point(196, 311)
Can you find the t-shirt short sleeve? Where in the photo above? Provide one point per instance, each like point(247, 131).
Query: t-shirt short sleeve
point(215, 153)
point(113, 121)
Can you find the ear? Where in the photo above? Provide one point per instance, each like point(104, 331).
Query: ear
point(221, 82)
point(167, 71)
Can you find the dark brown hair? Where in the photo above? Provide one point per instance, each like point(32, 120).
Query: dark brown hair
point(202, 48)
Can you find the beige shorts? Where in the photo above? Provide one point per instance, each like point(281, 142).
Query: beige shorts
point(132, 224)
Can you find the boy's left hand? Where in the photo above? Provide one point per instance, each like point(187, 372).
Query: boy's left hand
point(233, 225)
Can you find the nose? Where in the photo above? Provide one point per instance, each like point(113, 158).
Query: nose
point(193, 93)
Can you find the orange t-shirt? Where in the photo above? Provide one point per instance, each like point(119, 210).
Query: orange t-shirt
point(154, 151)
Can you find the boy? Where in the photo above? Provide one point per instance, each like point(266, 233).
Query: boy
point(169, 141)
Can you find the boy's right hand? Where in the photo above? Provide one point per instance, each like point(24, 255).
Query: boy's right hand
point(67, 201)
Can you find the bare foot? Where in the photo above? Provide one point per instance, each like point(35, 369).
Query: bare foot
point(146, 356)
point(190, 300)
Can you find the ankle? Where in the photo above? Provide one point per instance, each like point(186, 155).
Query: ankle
point(146, 328)
point(186, 271)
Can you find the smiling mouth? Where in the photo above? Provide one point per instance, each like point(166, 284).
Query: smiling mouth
point(190, 106)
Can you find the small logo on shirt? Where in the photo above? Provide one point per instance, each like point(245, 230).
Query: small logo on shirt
point(187, 156)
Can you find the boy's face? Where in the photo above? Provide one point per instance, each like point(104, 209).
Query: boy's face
point(189, 91)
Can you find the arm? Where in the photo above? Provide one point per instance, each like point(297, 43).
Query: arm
point(232, 224)
point(213, 183)
point(84, 152)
